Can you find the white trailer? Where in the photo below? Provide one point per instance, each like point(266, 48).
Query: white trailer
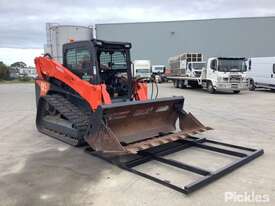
point(57, 35)
point(218, 74)
point(186, 64)
point(142, 68)
point(262, 73)
point(158, 69)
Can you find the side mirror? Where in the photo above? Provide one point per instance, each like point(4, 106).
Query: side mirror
point(190, 67)
point(273, 68)
point(249, 65)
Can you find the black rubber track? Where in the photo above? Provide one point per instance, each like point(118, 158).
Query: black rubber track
point(66, 110)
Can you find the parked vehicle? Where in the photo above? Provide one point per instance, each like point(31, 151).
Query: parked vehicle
point(158, 69)
point(158, 73)
point(262, 73)
point(142, 68)
point(186, 64)
point(97, 103)
point(218, 74)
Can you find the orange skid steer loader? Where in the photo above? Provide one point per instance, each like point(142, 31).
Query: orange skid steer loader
point(93, 99)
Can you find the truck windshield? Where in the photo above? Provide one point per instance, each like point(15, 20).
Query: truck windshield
point(231, 65)
point(198, 66)
point(143, 71)
point(158, 68)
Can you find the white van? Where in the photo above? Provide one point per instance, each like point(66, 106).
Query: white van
point(262, 73)
point(142, 68)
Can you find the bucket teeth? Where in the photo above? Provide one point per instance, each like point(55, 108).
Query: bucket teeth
point(146, 144)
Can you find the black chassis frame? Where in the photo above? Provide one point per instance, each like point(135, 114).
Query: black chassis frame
point(157, 154)
point(96, 45)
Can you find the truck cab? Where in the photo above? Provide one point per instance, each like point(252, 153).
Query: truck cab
point(194, 69)
point(158, 73)
point(142, 69)
point(225, 74)
point(158, 69)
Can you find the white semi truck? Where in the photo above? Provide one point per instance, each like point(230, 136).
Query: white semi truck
point(217, 74)
point(262, 73)
point(142, 68)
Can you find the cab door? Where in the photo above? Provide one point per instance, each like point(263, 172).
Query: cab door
point(212, 71)
point(78, 59)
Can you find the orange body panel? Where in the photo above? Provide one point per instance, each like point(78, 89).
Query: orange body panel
point(141, 92)
point(95, 95)
point(44, 87)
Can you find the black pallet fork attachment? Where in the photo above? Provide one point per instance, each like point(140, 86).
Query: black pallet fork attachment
point(159, 152)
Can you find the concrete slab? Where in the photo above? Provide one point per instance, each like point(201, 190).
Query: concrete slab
point(38, 170)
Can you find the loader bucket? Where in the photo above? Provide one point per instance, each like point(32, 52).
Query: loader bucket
point(129, 127)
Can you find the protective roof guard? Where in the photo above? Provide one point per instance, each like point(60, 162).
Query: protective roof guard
point(108, 44)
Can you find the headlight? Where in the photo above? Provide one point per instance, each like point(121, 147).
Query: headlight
point(225, 79)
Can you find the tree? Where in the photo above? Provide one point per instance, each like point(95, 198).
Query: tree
point(4, 71)
point(19, 64)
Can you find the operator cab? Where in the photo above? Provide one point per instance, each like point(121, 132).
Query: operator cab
point(98, 62)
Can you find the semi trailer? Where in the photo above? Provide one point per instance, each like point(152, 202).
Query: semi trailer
point(217, 74)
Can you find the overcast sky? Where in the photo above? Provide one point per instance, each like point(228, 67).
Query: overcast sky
point(22, 23)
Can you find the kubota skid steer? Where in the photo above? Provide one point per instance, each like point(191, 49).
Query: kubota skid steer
point(93, 99)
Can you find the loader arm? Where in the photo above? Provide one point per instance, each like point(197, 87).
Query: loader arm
point(95, 95)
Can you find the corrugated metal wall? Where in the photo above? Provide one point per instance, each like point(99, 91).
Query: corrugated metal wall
point(157, 41)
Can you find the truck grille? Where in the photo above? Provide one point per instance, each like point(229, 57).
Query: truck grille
point(235, 79)
point(197, 73)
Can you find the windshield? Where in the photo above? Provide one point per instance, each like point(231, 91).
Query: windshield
point(198, 66)
point(158, 68)
point(112, 60)
point(143, 71)
point(231, 65)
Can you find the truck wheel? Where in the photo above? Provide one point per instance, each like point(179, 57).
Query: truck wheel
point(236, 91)
point(177, 83)
point(182, 86)
point(251, 85)
point(210, 88)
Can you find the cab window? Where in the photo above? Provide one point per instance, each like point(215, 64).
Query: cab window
point(71, 59)
point(214, 64)
point(78, 60)
point(83, 59)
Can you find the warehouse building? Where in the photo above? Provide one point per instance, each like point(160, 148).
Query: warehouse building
point(157, 41)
